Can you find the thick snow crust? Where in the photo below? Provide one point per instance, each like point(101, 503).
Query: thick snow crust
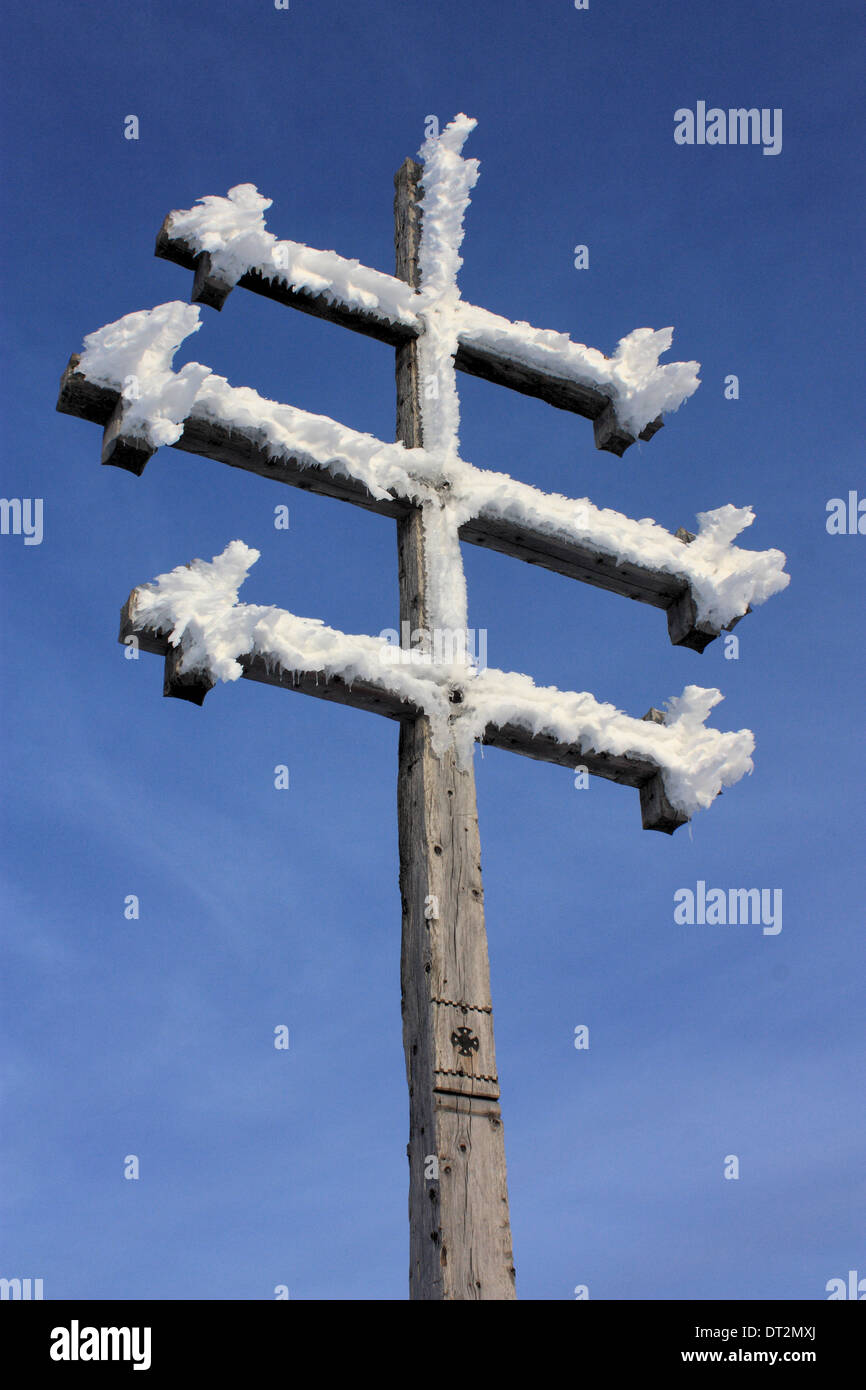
point(134, 355)
point(196, 607)
point(233, 231)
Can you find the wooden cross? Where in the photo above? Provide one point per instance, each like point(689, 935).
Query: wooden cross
point(460, 1238)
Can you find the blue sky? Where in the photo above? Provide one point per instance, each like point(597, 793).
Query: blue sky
point(154, 1037)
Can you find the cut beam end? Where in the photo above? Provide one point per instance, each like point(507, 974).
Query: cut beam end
point(684, 628)
point(127, 451)
point(208, 288)
point(656, 811)
point(683, 625)
point(184, 685)
point(146, 639)
point(129, 454)
point(78, 396)
point(171, 250)
point(410, 171)
point(610, 435)
point(652, 428)
point(104, 406)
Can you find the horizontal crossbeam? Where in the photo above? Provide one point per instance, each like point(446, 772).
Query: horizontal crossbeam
point(641, 773)
point(193, 618)
point(504, 362)
point(493, 527)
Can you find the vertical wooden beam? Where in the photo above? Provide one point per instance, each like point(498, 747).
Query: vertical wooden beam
point(460, 1233)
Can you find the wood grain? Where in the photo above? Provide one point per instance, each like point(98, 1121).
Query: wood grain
point(460, 1233)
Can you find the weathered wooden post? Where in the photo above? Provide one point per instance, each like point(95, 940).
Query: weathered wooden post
point(460, 1238)
point(460, 1233)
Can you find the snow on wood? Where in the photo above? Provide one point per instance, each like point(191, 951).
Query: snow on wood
point(446, 182)
point(232, 234)
point(195, 609)
point(193, 616)
point(695, 762)
point(641, 388)
point(133, 357)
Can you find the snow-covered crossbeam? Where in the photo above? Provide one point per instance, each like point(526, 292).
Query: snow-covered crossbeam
point(226, 242)
point(124, 381)
point(193, 617)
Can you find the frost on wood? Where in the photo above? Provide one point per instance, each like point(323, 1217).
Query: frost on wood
point(134, 355)
point(196, 608)
point(446, 183)
point(232, 231)
point(640, 387)
point(695, 762)
point(725, 580)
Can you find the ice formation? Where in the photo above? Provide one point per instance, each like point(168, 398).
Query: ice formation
point(196, 608)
